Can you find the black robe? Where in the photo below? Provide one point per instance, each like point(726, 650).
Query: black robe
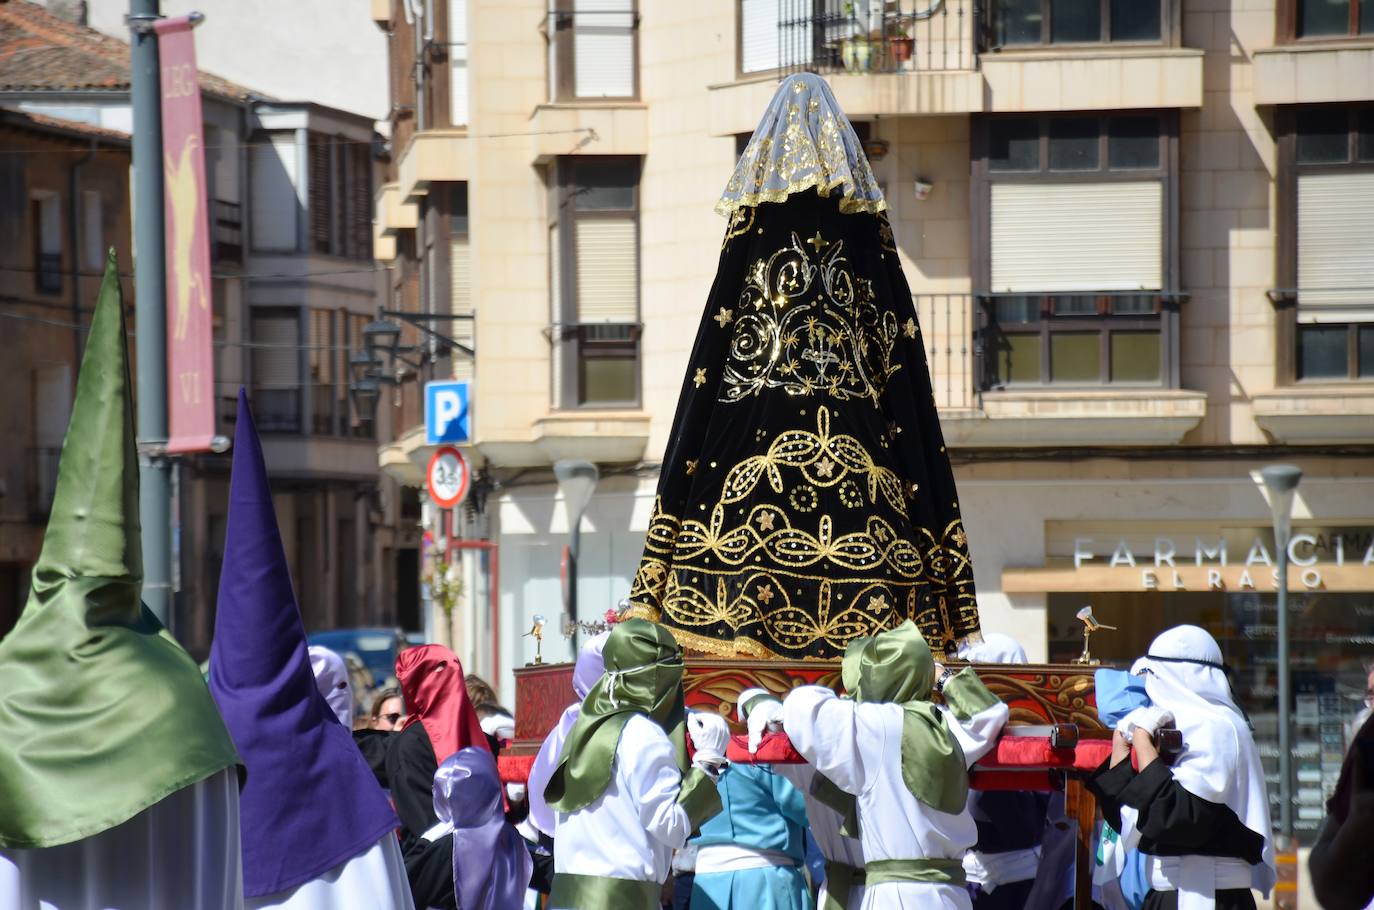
point(1006, 821)
point(1174, 822)
point(805, 497)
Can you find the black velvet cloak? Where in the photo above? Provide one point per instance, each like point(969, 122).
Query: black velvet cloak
point(806, 497)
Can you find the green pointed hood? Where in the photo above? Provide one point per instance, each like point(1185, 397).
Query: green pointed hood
point(102, 713)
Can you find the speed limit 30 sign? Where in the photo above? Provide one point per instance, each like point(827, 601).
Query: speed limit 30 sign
point(448, 477)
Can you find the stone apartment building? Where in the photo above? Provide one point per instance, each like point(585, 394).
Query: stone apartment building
point(64, 199)
point(1139, 235)
point(294, 280)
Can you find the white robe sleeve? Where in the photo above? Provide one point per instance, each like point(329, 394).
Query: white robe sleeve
point(978, 734)
point(827, 731)
point(654, 782)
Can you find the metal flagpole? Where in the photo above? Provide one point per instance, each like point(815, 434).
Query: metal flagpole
point(150, 313)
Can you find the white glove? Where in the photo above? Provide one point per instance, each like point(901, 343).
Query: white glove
point(1147, 717)
point(745, 697)
point(516, 793)
point(710, 735)
point(764, 717)
point(502, 726)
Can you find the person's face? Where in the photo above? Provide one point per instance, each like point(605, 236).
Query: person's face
point(1369, 690)
point(391, 715)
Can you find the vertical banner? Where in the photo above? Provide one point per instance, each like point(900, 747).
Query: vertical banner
point(190, 354)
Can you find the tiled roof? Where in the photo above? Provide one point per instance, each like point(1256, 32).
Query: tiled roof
point(44, 123)
point(42, 52)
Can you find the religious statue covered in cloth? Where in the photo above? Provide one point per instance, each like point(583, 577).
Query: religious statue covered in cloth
point(806, 498)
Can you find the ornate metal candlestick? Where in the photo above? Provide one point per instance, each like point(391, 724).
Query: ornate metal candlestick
point(1090, 625)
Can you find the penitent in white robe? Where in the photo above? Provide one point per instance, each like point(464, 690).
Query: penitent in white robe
point(631, 830)
point(372, 880)
point(825, 825)
point(182, 852)
point(859, 747)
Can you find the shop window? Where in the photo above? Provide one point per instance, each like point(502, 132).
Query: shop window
point(594, 240)
point(1325, 19)
point(1074, 252)
point(1326, 230)
point(1013, 23)
point(1328, 636)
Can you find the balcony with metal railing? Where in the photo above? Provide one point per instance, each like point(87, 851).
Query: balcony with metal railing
point(882, 57)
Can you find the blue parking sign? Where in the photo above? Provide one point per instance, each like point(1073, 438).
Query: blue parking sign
point(447, 418)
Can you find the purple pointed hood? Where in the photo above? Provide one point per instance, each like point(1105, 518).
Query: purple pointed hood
point(310, 802)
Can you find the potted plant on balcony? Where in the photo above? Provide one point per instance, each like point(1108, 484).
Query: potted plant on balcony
point(856, 50)
point(900, 44)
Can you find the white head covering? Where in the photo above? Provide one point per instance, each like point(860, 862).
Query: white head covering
point(995, 648)
point(1184, 673)
point(331, 678)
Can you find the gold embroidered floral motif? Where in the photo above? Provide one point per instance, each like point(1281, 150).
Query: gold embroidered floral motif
point(816, 327)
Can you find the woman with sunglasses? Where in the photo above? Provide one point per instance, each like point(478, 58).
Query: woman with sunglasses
point(388, 711)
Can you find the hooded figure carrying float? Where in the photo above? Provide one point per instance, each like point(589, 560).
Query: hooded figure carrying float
point(904, 761)
point(624, 790)
point(1202, 823)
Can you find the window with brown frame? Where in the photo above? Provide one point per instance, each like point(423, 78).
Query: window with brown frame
point(1075, 245)
point(593, 49)
point(1326, 256)
point(1019, 23)
point(594, 280)
point(1325, 19)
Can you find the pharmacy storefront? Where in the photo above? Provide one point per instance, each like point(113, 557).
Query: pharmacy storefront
point(1171, 567)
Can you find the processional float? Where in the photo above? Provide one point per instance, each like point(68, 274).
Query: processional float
point(805, 497)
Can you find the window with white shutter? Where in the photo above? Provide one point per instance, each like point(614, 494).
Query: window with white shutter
point(458, 62)
point(1076, 262)
point(779, 33)
point(1326, 243)
point(1336, 247)
point(460, 281)
point(277, 370)
point(595, 253)
point(1074, 237)
point(593, 49)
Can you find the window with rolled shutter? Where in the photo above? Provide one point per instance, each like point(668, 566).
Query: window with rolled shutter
point(607, 270)
point(273, 175)
point(1090, 236)
point(1336, 247)
point(775, 33)
point(277, 371)
point(319, 198)
point(604, 48)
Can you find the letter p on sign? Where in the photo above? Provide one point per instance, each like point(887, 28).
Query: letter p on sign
point(447, 418)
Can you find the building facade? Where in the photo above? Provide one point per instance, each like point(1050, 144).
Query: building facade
point(289, 187)
point(64, 199)
point(1139, 241)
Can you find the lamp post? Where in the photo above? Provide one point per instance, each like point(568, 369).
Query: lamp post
point(577, 481)
point(1281, 482)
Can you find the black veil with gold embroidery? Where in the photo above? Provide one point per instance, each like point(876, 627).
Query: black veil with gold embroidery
point(806, 497)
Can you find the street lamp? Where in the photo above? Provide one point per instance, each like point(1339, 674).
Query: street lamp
point(577, 481)
point(1281, 482)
